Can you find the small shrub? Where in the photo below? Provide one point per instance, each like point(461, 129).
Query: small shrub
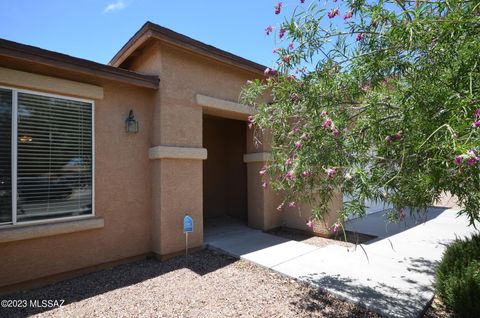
point(457, 280)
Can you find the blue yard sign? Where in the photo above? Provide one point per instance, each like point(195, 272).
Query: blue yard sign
point(187, 224)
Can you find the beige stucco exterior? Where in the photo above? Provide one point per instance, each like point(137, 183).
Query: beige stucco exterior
point(146, 182)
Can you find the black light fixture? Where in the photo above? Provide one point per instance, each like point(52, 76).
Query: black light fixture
point(131, 124)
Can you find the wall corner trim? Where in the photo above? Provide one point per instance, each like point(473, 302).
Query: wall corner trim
point(32, 231)
point(257, 157)
point(21, 79)
point(224, 108)
point(172, 152)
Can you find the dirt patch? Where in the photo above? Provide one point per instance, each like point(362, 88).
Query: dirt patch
point(206, 284)
point(352, 238)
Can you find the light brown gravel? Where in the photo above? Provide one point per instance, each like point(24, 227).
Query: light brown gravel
point(206, 284)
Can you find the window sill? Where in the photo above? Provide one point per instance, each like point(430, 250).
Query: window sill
point(32, 231)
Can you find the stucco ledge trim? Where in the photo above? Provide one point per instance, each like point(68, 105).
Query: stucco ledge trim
point(33, 231)
point(171, 152)
point(257, 157)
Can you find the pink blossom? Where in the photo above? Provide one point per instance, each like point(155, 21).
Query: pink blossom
point(290, 175)
point(269, 72)
point(268, 30)
point(477, 113)
point(336, 132)
point(348, 15)
point(262, 172)
point(290, 46)
point(289, 161)
point(306, 174)
point(250, 119)
point(458, 160)
point(324, 113)
point(397, 136)
point(278, 8)
point(264, 185)
point(282, 32)
point(298, 145)
point(292, 205)
point(333, 13)
point(335, 227)
point(331, 172)
point(286, 58)
point(304, 136)
point(348, 176)
point(360, 37)
point(310, 224)
point(476, 124)
point(388, 139)
point(291, 77)
point(471, 161)
point(327, 123)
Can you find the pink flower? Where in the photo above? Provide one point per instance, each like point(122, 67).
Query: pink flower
point(348, 15)
point(290, 175)
point(310, 224)
point(298, 145)
point(476, 124)
point(268, 30)
point(250, 119)
point(335, 227)
point(324, 113)
point(282, 32)
point(292, 205)
point(306, 174)
point(327, 123)
point(291, 77)
point(388, 139)
point(262, 172)
point(360, 37)
point(477, 113)
point(278, 8)
point(336, 132)
point(289, 161)
point(471, 161)
point(269, 72)
point(290, 46)
point(304, 136)
point(331, 172)
point(458, 160)
point(348, 176)
point(397, 136)
point(333, 13)
point(286, 58)
point(264, 185)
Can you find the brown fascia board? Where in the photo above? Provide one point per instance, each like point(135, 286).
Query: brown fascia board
point(152, 30)
point(62, 61)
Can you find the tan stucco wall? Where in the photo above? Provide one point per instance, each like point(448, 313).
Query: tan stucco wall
point(225, 173)
point(122, 169)
point(177, 184)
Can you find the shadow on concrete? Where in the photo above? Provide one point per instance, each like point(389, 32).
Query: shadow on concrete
point(376, 223)
point(94, 284)
point(381, 298)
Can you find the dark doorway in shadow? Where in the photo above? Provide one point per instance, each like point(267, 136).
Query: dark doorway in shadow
point(224, 172)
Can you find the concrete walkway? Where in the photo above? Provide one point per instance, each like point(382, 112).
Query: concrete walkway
point(393, 275)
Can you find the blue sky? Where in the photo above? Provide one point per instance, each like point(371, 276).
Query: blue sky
point(97, 29)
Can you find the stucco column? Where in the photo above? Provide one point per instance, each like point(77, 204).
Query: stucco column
point(262, 203)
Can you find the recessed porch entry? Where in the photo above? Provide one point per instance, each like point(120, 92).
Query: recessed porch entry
point(224, 172)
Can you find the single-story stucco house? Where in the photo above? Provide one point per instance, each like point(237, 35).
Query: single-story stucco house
point(99, 164)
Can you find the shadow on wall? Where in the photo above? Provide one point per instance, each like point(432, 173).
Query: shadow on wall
point(409, 301)
point(97, 283)
point(377, 224)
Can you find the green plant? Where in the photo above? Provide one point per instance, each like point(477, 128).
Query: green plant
point(378, 99)
point(457, 280)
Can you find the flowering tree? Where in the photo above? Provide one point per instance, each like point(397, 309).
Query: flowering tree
point(378, 99)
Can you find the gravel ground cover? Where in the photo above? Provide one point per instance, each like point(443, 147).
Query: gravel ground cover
point(206, 284)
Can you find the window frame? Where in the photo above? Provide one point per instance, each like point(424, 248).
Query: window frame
point(14, 147)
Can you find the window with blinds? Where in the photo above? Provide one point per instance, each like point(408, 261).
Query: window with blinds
point(52, 157)
point(5, 156)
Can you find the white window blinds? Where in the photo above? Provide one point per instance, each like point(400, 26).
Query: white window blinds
point(54, 157)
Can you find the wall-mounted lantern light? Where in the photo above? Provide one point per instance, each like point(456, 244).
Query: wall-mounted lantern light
point(131, 124)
